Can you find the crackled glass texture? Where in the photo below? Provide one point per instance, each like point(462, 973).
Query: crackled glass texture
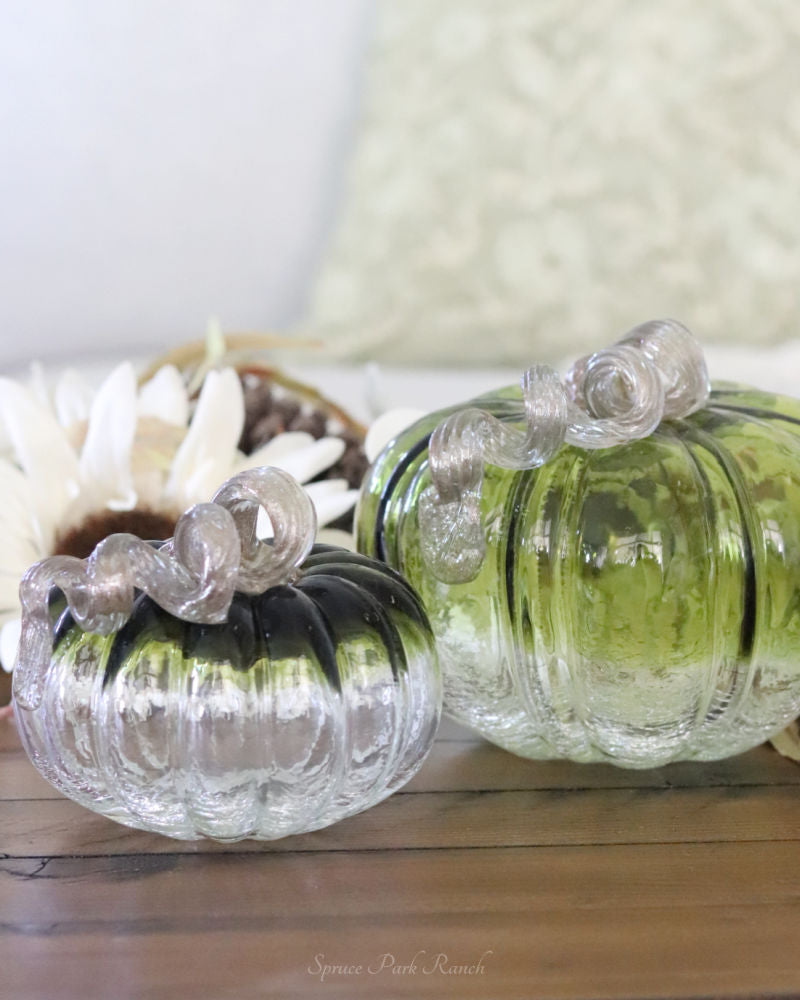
point(314, 700)
point(637, 604)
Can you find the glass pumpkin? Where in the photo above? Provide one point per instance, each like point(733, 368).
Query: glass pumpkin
point(315, 700)
point(637, 604)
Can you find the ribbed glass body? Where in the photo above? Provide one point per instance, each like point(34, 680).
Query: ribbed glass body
point(314, 701)
point(638, 604)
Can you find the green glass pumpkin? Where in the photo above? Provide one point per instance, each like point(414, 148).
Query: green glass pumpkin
point(637, 604)
point(314, 700)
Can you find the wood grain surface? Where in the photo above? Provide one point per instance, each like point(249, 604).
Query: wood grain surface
point(487, 877)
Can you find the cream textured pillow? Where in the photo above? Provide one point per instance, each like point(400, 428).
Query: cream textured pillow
point(533, 177)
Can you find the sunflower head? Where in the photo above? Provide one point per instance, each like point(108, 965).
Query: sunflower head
point(78, 465)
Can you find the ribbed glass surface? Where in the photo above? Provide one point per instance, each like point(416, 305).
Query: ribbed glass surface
point(638, 604)
point(314, 702)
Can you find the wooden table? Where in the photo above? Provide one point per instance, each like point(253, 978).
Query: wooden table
point(531, 880)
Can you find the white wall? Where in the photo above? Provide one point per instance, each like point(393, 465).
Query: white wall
point(165, 160)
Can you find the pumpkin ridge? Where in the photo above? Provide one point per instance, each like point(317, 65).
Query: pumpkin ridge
point(769, 422)
point(335, 555)
point(326, 586)
point(683, 440)
point(524, 485)
point(284, 629)
point(234, 641)
point(756, 413)
point(530, 671)
point(747, 632)
point(391, 587)
point(520, 627)
point(398, 472)
point(569, 533)
point(747, 398)
point(146, 616)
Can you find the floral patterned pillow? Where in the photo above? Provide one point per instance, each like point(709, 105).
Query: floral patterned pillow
point(532, 179)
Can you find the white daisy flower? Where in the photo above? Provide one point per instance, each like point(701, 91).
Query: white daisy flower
point(79, 465)
point(387, 427)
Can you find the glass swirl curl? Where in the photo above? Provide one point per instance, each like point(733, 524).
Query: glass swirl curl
point(619, 394)
point(215, 552)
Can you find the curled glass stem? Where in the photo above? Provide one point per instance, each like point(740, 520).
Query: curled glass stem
point(620, 394)
point(293, 519)
point(215, 552)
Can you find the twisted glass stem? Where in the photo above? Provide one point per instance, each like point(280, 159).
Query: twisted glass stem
point(215, 552)
point(619, 394)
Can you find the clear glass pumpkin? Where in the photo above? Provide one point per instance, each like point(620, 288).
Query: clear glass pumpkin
point(315, 700)
point(638, 604)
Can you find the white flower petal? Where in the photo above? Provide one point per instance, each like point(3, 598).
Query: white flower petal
point(387, 427)
point(264, 528)
point(105, 466)
point(203, 482)
point(333, 536)
point(7, 616)
point(273, 451)
point(17, 553)
point(23, 540)
point(9, 594)
point(42, 450)
point(165, 397)
point(73, 398)
point(331, 499)
point(9, 641)
point(311, 460)
point(38, 384)
point(18, 532)
point(206, 456)
point(325, 488)
point(331, 507)
point(17, 492)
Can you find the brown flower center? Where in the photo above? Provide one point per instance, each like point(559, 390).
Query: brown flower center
point(5, 687)
point(81, 540)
